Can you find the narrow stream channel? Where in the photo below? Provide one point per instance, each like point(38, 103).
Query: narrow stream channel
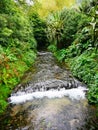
point(48, 98)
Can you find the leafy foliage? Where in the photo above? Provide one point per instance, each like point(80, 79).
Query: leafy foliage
point(62, 27)
point(85, 50)
point(60, 54)
point(79, 43)
point(71, 21)
point(90, 8)
point(52, 48)
point(17, 47)
point(39, 29)
point(55, 28)
point(71, 34)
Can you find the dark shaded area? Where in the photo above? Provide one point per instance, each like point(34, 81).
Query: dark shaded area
point(39, 29)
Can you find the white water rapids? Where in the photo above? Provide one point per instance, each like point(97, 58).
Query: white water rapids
point(49, 97)
point(50, 81)
point(74, 93)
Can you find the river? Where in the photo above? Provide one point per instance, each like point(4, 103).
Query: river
point(49, 98)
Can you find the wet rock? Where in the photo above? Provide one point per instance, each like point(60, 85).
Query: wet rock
point(48, 114)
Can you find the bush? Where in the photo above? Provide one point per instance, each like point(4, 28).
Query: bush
point(52, 48)
point(12, 67)
point(60, 55)
point(85, 67)
point(17, 47)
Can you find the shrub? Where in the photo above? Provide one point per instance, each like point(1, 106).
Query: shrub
point(52, 48)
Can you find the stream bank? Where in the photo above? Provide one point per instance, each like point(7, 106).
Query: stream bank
point(49, 98)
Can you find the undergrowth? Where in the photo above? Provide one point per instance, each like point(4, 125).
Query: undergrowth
point(12, 67)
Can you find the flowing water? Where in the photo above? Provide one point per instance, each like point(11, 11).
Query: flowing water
point(48, 98)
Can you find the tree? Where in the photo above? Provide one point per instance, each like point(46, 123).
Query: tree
point(55, 28)
point(62, 26)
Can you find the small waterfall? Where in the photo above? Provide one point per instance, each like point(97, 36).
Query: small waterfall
point(74, 93)
point(49, 81)
point(49, 98)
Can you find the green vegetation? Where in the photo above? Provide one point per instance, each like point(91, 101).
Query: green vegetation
point(39, 27)
point(70, 33)
point(17, 47)
point(73, 37)
point(85, 67)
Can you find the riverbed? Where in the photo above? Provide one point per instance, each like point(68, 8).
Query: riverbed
point(49, 98)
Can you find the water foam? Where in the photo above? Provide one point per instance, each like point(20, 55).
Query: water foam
point(74, 93)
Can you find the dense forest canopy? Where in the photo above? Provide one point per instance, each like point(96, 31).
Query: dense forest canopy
point(70, 31)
